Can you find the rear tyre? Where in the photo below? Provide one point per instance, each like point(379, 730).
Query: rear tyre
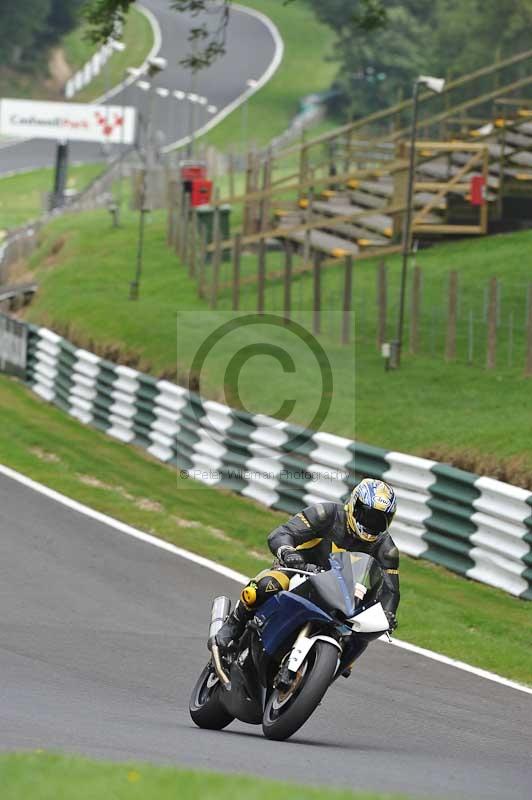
point(206, 707)
point(285, 713)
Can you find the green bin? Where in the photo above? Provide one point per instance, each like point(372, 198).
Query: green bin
point(205, 217)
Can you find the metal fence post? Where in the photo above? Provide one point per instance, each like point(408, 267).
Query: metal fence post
point(492, 325)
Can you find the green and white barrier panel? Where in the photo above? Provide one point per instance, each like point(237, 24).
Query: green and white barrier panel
point(476, 526)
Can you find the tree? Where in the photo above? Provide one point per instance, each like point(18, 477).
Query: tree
point(31, 26)
point(20, 27)
point(105, 16)
point(379, 58)
point(208, 43)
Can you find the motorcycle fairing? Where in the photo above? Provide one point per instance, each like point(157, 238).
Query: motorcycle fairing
point(284, 614)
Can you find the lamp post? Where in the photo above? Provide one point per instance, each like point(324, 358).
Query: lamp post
point(155, 65)
point(250, 84)
point(435, 85)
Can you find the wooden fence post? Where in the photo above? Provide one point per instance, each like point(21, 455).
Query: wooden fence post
point(184, 228)
point(246, 225)
point(217, 253)
point(288, 261)
point(492, 324)
point(178, 234)
point(316, 302)
point(450, 345)
point(237, 252)
point(414, 317)
point(266, 185)
point(203, 262)
point(528, 365)
point(173, 188)
point(261, 285)
point(193, 239)
point(348, 300)
point(382, 302)
point(232, 173)
point(303, 160)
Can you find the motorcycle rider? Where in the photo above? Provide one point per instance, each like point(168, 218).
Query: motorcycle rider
point(309, 537)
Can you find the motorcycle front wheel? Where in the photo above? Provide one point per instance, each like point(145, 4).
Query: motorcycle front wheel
point(286, 712)
point(206, 707)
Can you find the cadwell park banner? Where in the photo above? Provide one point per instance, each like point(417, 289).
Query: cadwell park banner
point(82, 122)
point(475, 526)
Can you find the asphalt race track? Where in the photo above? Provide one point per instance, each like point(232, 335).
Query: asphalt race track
point(102, 636)
point(250, 50)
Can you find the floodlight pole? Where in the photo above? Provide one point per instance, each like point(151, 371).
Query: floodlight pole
point(407, 222)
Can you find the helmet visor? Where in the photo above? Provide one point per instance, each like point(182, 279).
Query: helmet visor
point(371, 520)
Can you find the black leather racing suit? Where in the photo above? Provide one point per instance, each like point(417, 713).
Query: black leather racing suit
point(321, 529)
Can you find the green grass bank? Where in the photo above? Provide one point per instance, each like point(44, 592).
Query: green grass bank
point(439, 610)
point(42, 776)
point(478, 419)
point(21, 196)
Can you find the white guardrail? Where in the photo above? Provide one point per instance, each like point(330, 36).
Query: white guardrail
point(476, 526)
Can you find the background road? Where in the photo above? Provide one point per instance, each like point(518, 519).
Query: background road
point(102, 637)
point(250, 50)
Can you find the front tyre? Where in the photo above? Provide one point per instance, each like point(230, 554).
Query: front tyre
point(206, 707)
point(286, 712)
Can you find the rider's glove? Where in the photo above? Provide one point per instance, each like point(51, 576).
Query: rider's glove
point(392, 620)
point(289, 557)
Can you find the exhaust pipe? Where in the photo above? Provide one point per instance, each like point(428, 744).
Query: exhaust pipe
point(220, 609)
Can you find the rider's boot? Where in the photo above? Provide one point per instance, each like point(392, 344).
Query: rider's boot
point(233, 627)
point(352, 653)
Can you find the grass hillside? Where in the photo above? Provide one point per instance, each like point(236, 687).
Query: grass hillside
point(21, 196)
point(454, 411)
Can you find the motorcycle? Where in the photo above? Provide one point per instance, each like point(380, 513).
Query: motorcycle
point(295, 646)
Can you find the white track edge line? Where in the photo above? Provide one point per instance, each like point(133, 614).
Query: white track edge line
point(238, 101)
point(157, 43)
point(230, 573)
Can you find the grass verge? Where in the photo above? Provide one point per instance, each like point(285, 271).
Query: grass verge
point(477, 419)
point(40, 776)
point(439, 610)
point(21, 196)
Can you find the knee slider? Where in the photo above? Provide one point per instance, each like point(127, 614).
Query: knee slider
point(249, 594)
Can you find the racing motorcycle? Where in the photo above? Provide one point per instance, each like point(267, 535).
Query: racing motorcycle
point(292, 650)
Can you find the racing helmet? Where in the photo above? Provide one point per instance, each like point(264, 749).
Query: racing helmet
point(370, 510)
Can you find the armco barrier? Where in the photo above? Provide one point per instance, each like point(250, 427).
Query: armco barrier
point(478, 527)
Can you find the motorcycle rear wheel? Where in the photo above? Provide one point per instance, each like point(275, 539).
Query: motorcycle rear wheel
point(283, 715)
point(206, 707)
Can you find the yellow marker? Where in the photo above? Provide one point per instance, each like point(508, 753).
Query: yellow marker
point(303, 203)
point(388, 232)
point(338, 252)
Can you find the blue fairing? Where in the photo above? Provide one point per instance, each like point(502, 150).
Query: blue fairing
point(284, 613)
